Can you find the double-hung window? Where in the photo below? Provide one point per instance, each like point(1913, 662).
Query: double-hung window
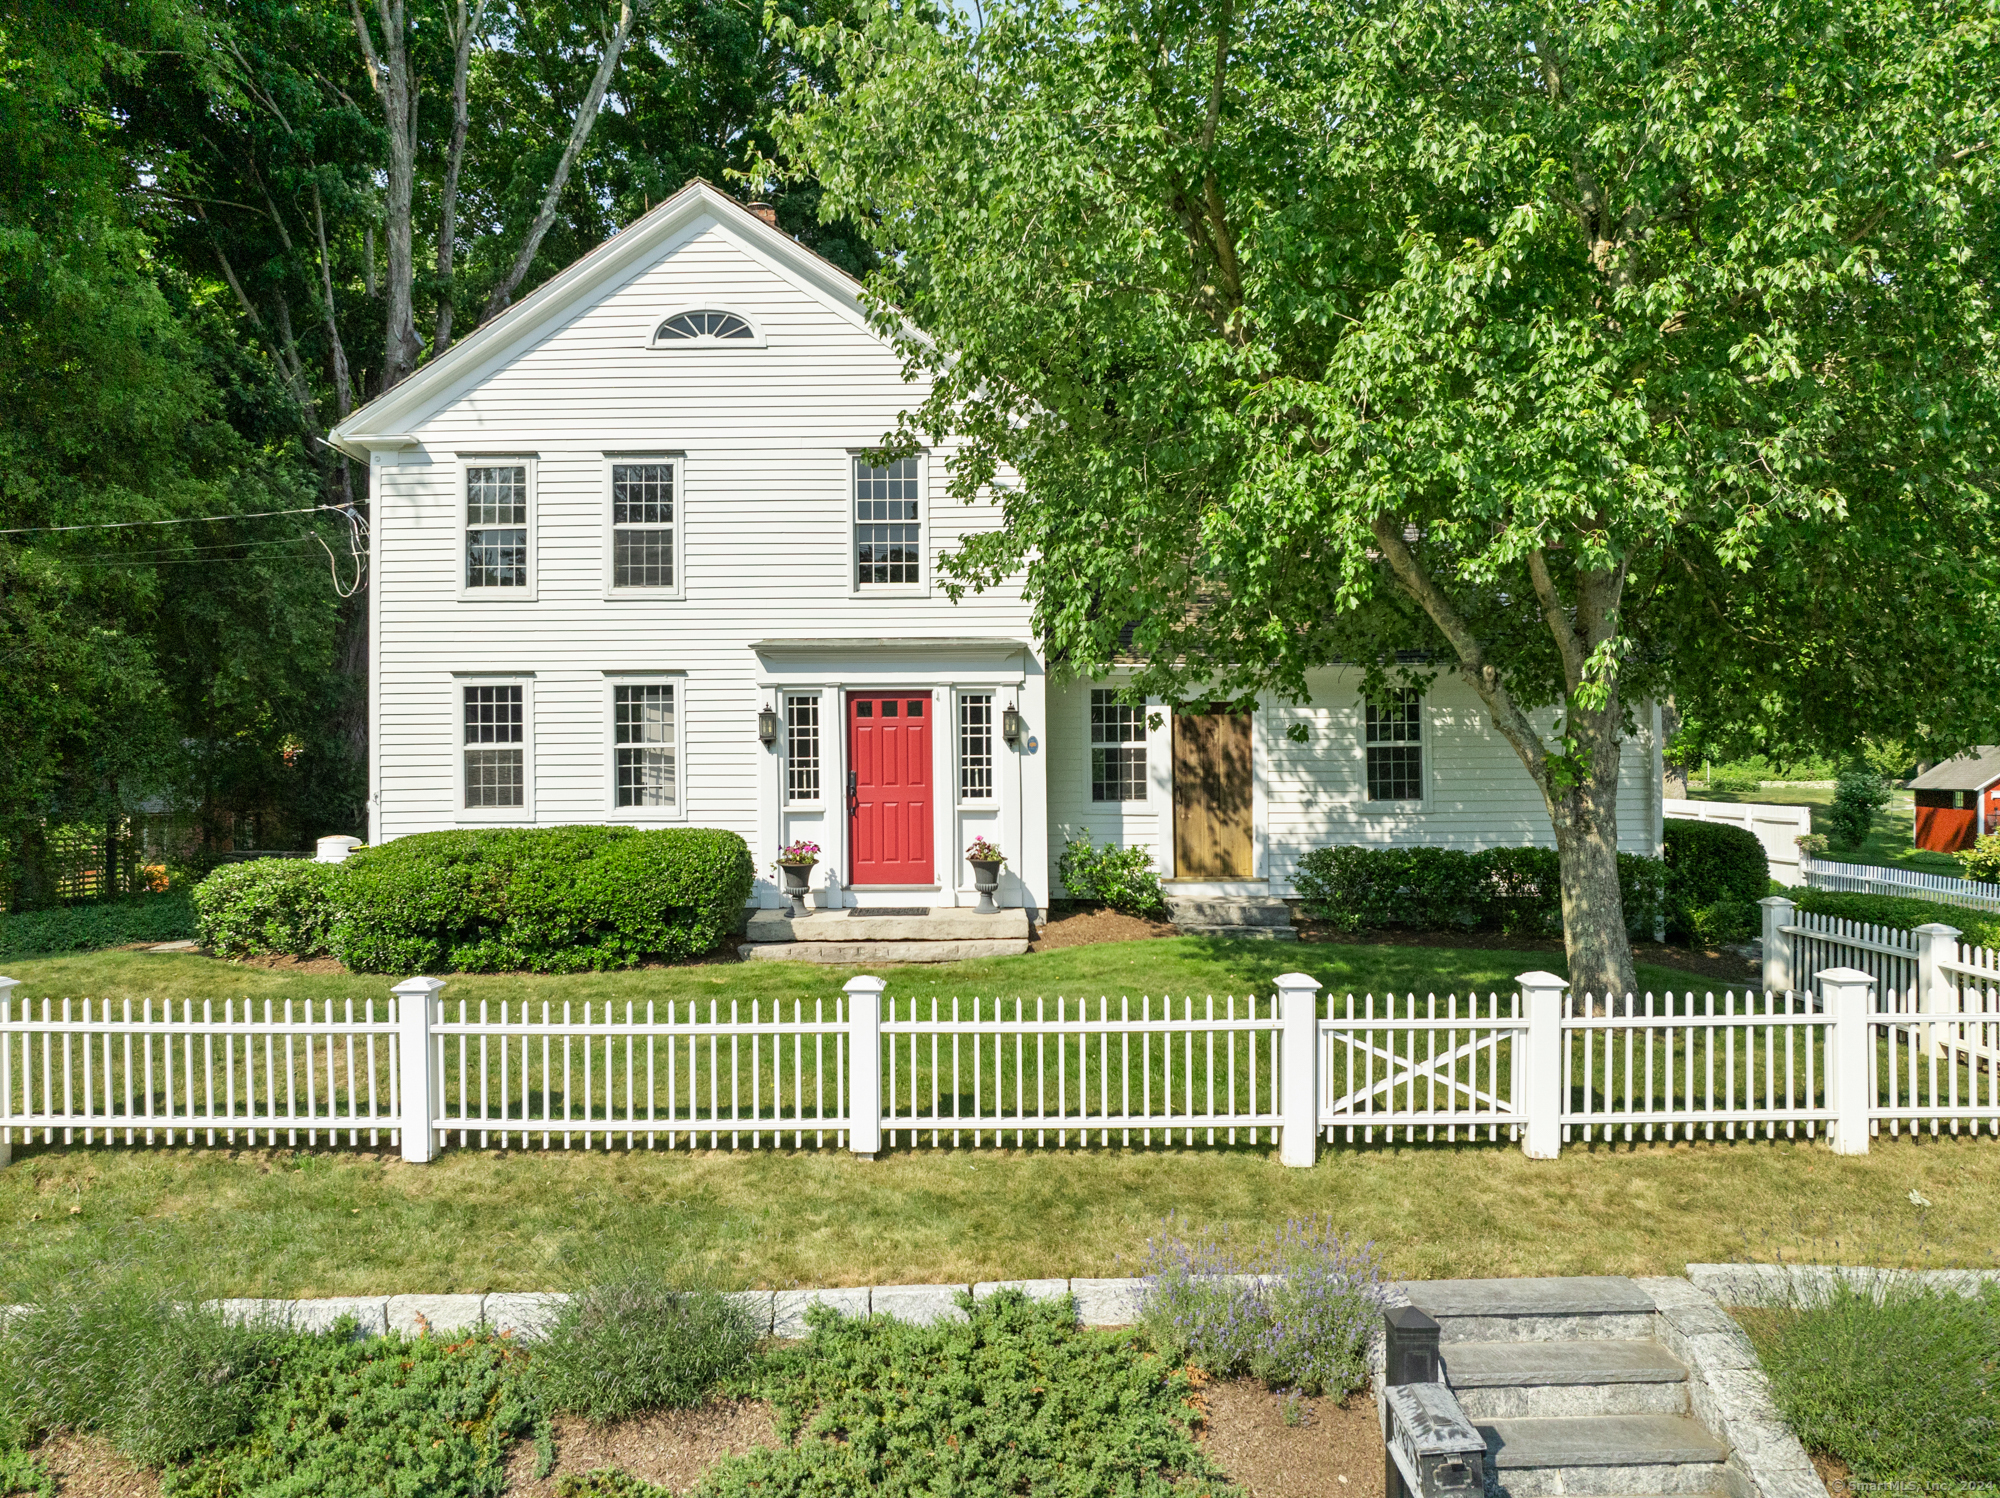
point(644, 523)
point(801, 747)
point(495, 747)
point(1117, 748)
point(644, 751)
point(975, 746)
point(888, 524)
point(1395, 744)
point(496, 526)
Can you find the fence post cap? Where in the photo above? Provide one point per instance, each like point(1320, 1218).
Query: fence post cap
point(1843, 975)
point(1936, 928)
point(1771, 902)
point(1540, 980)
point(1297, 980)
point(418, 985)
point(7, 983)
point(866, 983)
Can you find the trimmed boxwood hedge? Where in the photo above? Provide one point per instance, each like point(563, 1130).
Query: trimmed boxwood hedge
point(1979, 928)
point(1715, 876)
point(1515, 890)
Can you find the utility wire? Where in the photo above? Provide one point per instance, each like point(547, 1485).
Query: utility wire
point(112, 525)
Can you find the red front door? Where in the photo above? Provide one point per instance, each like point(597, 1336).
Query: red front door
point(889, 787)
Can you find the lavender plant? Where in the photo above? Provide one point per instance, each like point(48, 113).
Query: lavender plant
point(1295, 1309)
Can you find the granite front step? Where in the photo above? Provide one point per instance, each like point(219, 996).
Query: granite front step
point(1537, 1380)
point(1605, 1455)
point(1240, 933)
point(1246, 910)
point(846, 927)
point(1582, 1308)
point(872, 953)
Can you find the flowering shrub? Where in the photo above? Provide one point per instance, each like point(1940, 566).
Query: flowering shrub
point(982, 851)
point(1295, 1309)
point(1122, 878)
point(799, 852)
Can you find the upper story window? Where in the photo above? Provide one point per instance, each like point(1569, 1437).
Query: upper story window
point(1395, 741)
point(1117, 748)
point(642, 524)
point(496, 525)
point(888, 532)
point(705, 325)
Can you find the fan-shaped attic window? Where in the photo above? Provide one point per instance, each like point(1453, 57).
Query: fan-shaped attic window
point(707, 325)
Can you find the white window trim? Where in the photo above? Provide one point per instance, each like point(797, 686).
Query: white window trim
point(654, 341)
point(1427, 725)
point(1159, 747)
point(490, 816)
point(644, 816)
point(1000, 701)
point(829, 701)
point(651, 595)
point(531, 462)
point(922, 587)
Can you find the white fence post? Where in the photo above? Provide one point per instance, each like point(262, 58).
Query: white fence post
point(1848, 995)
point(1778, 974)
point(864, 1065)
point(1937, 991)
point(1298, 1056)
point(414, 1013)
point(7, 987)
point(1538, 1065)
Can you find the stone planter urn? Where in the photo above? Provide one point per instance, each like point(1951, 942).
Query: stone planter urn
point(986, 879)
point(797, 876)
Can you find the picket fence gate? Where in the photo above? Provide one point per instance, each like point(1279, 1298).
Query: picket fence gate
point(1540, 1067)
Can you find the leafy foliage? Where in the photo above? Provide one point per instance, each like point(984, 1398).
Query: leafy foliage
point(1982, 859)
point(1715, 875)
point(1980, 928)
point(1296, 1309)
point(1860, 793)
point(1122, 878)
point(267, 905)
point(1515, 890)
point(1899, 1385)
point(1015, 1399)
point(85, 928)
point(22, 1473)
point(630, 1343)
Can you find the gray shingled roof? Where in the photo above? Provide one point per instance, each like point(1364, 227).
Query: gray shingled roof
point(1965, 772)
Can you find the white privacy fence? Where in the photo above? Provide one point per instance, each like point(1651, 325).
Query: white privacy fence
point(1911, 884)
point(859, 1070)
point(1777, 827)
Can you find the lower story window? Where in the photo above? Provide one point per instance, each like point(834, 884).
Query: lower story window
point(1395, 739)
point(495, 750)
point(1117, 748)
point(643, 742)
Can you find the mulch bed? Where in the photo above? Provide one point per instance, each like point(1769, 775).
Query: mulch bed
point(1335, 1450)
point(87, 1467)
point(1086, 925)
point(673, 1448)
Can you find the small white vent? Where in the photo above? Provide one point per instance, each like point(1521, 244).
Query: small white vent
point(685, 327)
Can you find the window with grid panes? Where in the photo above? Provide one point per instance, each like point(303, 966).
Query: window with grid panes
point(1117, 748)
point(642, 733)
point(1396, 747)
point(496, 526)
point(975, 746)
point(495, 753)
point(887, 533)
point(802, 747)
point(642, 525)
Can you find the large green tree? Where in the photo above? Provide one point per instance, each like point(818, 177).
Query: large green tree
point(1592, 351)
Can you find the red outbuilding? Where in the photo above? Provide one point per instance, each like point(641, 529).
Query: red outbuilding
point(1958, 800)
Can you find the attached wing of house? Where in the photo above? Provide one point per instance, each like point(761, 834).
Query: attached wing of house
point(631, 564)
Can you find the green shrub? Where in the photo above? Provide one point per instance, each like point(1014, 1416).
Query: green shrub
point(1708, 862)
point(1979, 928)
point(632, 1344)
point(268, 906)
point(1122, 878)
point(1515, 890)
point(1725, 920)
point(22, 1473)
point(1900, 1386)
point(1857, 796)
point(87, 928)
point(1982, 859)
point(553, 899)
point(608, 1482)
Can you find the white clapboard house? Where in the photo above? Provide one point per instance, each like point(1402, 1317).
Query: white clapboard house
point(629, 564)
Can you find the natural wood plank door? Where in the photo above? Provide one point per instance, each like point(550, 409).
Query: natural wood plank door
point(1212, 796)
point(889, 787)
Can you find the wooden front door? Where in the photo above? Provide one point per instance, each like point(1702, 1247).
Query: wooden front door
point(1212, 796)
point(889, 787)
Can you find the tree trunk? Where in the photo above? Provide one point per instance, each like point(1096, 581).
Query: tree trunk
point(464, 26)
point(1594, 936)
point(395, 85)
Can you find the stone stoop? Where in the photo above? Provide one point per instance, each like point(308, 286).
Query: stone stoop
point(1574, 1393)
point(1244, 917)
point(854, 938)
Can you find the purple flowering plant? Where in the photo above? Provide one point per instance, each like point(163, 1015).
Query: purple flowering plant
point(1296, 1308)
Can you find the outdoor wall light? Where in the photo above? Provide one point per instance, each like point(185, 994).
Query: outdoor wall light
point(1010, 724)
point(767, 725)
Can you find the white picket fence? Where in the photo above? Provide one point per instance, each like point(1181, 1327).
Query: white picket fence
point(1911, 884)
point(1539, 1066)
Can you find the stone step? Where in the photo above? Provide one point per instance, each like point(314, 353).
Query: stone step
point(1532, 1380)
point(1243, 910)
point(880, 953)
point(1240, 933)
point(846, 927)
point(1609, 1456)
point(1581, 1308)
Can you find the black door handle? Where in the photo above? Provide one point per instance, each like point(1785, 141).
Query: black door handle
point(853, 802)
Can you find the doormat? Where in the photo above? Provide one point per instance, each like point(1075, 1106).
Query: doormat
point(889, 910)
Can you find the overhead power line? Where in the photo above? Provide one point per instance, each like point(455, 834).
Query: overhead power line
point(112, 525)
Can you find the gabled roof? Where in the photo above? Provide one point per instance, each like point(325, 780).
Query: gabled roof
point(1964, 772)
point(384, 421)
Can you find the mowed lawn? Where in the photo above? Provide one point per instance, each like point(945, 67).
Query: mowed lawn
point(341, 1221)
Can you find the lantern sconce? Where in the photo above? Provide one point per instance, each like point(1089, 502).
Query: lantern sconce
point(1010, 724)
point(767, 725)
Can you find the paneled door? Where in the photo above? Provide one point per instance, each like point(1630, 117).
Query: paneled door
point(1212, 796)
point(889, 787)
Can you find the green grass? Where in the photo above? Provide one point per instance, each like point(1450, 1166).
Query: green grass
point(1891, 842)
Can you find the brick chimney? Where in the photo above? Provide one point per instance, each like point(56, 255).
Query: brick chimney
point(766, 212)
